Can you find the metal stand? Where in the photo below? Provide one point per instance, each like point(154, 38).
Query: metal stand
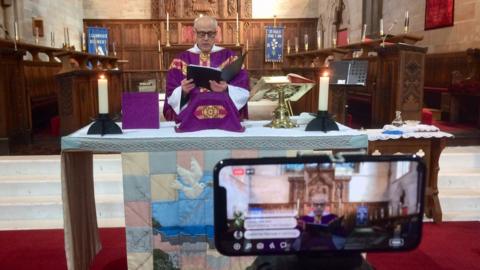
point(347, 261)
point(104, 125)
point(322, 122)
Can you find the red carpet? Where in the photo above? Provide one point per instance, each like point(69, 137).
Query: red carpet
point(451, 245)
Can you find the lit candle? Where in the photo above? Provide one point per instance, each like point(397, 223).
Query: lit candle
point(296, 44)
point(15, 30)
point(168, 22)
point(102, 95)
point(305, 40)
point(323, 92)
point(381, 27)
point(288, 46)
point(364, 32)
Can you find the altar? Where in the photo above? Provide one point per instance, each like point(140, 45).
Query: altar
point(168, 212)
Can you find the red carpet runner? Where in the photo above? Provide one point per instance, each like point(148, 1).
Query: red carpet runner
point(451, 245)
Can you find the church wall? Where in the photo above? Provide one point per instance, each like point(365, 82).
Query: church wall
point(117, 9)
point(463, 35)
point(285, 8)
point(56, 14)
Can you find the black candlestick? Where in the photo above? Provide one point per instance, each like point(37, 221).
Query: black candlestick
point(322, 122)
point(104, 125)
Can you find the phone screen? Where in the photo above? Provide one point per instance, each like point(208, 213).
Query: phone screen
point(288, 207)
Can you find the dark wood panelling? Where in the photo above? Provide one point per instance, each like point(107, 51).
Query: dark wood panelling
point(137, 40)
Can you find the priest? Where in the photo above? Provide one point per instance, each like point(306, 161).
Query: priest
point(182, 95)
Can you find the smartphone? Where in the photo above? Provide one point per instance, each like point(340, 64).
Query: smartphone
point(310, 204)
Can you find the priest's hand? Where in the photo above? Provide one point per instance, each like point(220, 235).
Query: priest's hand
point(187, 86)
point(218, 86)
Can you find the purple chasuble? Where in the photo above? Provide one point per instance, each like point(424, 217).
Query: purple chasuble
point(178, 71)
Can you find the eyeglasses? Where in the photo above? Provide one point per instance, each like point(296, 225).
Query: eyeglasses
point(202, 34)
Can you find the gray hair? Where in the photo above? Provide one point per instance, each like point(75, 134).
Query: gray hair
point(212, 20)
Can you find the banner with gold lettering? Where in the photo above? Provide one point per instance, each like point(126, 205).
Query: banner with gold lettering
point(274, 43)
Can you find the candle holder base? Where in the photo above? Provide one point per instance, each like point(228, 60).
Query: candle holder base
point(104, 125)
point(322, 122)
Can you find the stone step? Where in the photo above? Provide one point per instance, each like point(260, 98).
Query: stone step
point(45, 185)
point(460, 179)
point(461, 216)
point(50, 165)
point(459, 200)
point(36, 224)
point(51, 207)
point(457, 159)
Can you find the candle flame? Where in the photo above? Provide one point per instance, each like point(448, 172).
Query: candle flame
point(325, 74)
point(102, 77)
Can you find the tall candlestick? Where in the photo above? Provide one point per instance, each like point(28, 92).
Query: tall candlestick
point(319, 40)
point(381, 27)
point(84, 42)
point(168, 22)
point(15, 30)
point(65, 36)
point(36, 35)
point(68, 38)
point(296, 44)
point(159, 46)
point(102, 95)
point(237, 23)
point(323, 92)
point(364, 32)
point(52, 39)
point(305, 40)
point(407, 21)
point(288, 46)
point(246, 45)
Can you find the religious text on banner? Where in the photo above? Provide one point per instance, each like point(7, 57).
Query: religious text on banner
point(97, 40)
point(274, 44)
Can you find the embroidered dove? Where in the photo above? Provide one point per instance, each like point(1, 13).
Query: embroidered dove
point(191, 185)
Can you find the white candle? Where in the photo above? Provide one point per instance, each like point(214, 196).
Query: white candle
point(159, 46)
point(364, 32)
point(407, 21)
point(381, 27)
point(102, 95)
point(288, 46)
point(168, 22)
point(323, 92)
point(246, 46)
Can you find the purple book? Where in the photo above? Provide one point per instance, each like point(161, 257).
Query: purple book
point(140, 110)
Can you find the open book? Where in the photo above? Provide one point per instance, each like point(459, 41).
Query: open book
point(295, 87)
point(202, 75)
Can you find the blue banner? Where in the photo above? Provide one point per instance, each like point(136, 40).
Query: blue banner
point(274, 43)
point(97, 40)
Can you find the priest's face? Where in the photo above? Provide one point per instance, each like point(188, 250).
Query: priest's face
point(205, 33)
